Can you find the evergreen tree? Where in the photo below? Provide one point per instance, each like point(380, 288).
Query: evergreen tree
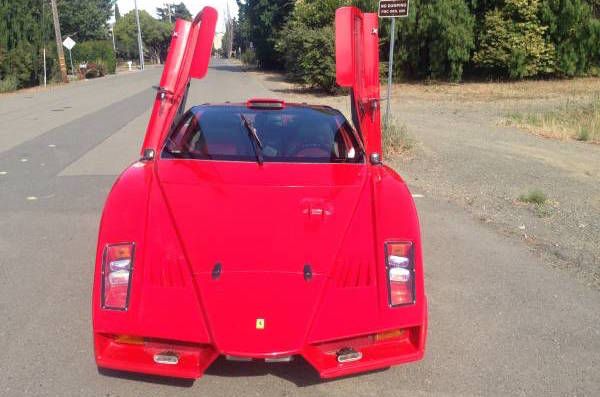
point(117, 12)
point(570, 28)
point(173, 12)
point(85, 19)
point(436, 40)
point(512, 43)
point(263, 21)
point(25, 26)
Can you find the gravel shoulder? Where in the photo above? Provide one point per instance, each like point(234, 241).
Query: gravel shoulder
point(466, 155)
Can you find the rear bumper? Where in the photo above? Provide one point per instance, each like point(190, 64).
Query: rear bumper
point(192, 360)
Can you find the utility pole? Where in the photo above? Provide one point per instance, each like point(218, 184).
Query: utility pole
point(229, 25)
point(59, 46)
point(139, 29)
point(168, 7)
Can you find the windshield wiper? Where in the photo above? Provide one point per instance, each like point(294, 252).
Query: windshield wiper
point(256, 143)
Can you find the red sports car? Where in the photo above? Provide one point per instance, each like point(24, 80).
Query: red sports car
point(262, 230)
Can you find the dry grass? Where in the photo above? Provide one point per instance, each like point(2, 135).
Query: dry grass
point(575, 119)
point(495, 91)
point(395, 139)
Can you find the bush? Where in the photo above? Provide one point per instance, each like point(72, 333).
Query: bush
point(249, 57)
point(9, 84)
point(309, 55)
point(535, 196)
point(307, 44)
point(569, 30)
point(395, 139)
point(512, 42)
point(436, 40)
point(449, 28)
point(99, 51)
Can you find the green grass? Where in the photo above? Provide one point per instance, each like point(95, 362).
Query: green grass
point(575, 119)
point(539, 201)
point(395, 139)
point(535, 196)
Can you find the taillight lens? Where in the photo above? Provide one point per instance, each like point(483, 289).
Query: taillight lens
point(401, 273)
point(116, 275)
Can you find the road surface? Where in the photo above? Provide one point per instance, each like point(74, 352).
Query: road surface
point(501, 322)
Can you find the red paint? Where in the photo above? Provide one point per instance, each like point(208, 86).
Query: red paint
point(222, 248)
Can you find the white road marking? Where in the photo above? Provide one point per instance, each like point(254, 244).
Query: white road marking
point(24, 160)
point(418, 196)
point(3, 173)
point(52, 145)
point(31, 198)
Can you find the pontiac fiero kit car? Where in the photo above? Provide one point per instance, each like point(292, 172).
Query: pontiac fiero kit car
point(261, 230)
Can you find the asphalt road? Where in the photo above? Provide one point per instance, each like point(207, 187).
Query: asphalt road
point(501, 321)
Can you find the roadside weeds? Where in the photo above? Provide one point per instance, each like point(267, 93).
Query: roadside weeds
point(574, 119)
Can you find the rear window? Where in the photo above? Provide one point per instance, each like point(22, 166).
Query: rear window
point(293, 134)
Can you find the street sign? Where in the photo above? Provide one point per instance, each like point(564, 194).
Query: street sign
point(393, 8)
point(69, 43)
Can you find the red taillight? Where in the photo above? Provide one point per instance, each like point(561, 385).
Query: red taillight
point(116, 275)
point(401, 273)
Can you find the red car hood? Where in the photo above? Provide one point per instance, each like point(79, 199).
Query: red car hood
point(252, 234)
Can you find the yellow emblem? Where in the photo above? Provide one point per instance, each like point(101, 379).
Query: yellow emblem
point(260, 323)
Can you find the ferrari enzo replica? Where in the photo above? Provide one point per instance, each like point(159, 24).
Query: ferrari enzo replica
point(261, 230)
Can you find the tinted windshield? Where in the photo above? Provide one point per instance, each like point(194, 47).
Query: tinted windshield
point(293, 134)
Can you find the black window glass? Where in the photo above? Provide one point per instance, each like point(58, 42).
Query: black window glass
point(293, 134)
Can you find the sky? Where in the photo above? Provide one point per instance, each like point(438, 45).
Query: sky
point(193, 5)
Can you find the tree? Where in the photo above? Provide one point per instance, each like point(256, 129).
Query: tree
point(172, 12)
point(155, 36)
point(85, 19)
point(513, 41)
point(307, 43)
point(570, 29)
point(263, 21)
point(117, 12)
point(24, 27)
point(436, 40)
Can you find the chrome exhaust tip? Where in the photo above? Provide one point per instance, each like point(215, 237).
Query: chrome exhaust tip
point(284, 359)
point(237, 358)
point(348, 355)
point(168, 358)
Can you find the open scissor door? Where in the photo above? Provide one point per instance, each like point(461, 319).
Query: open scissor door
point(357, 67)
point(188, 58)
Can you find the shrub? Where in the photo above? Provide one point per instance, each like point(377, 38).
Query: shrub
point(570, 30)
point(535, 196)
point(512, 42)
point(249, 57)
point(448, 26)
point(436, 40)
point(9, 83)
point(99, 51)
point(395, 139)
point(309, 55)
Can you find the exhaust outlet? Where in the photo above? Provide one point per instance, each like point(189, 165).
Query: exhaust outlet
point(348, 355)
point(168, 358)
